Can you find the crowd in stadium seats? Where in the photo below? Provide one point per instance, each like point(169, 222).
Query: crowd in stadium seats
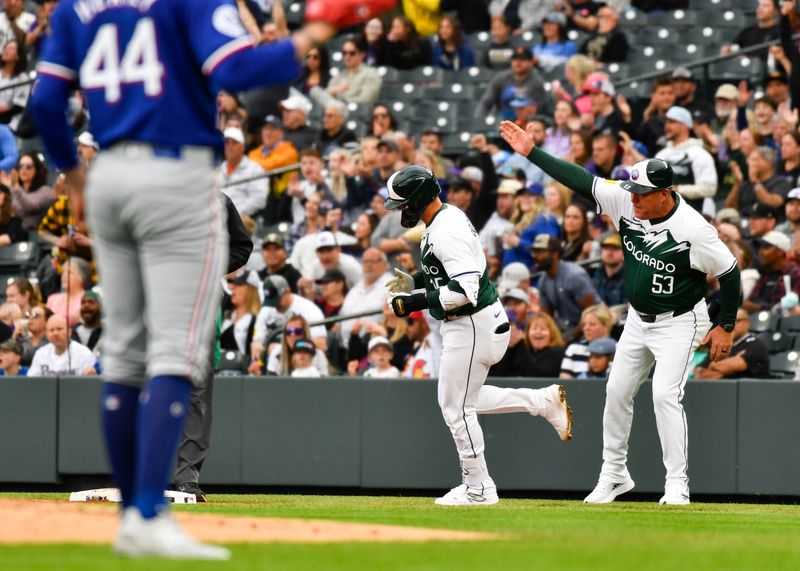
point(307, 168)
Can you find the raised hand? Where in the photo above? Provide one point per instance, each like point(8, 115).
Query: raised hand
point(517, 138)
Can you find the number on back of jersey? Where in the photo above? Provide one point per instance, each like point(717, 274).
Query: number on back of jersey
point(103, 69)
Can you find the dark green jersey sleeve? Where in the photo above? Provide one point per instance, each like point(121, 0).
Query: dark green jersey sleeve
point(570, 175)
point(729, 289)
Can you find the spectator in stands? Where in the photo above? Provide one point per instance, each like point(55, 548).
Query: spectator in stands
point(762, 184)
point(373, 37)
point(33, 335)
point(451, 50)
point(651, 130)
point(333, 133)
point(9, 154)
point(522, 14)
point(518, 357)
point(390, 326)
point(356, 83)
point(332, 291)
point(556, 199)
point(791, 227)
point(280, 356)
point(577, 71)
point(383, 122)
point(89, 331)
point(604, 155)
point(765, 29)
point(516, 275)
point(582, 14)
point(61, 356)
point(238, 323)
point(685, 86)
point(11, 230)
point(765, 111)
point(310, 182)
point(577, 242)
point(607, 116)
point(460, 195)
point(565, 289)
point(369, 293)
point(776, 85)
point(498, 55)
point(380, 356)
point(75, 278)
point(773, 249)
point(609, 278)
point(433, 141)
point(316, 71)
point(536, 128)
point(789, 166)
point(565, 119)
point(522, 77)
point(302, 356)
point(763, 219)
point(580, 148)
point(556, 48)
point(15, 23)
point(530, 219)
point(22, 292)
point(747, 359)
point(274, 152)
point(499, 223)
point(608, 43)
point(10, 359)
point(296, 130)
point(87, 148)
point(274, 252)
point(346, 186)
point(694, 171)
point(249, 196)
point(41, 29)
point(545, 345)
point(420, 363)
point(601, 353)
point(329, 257)
point(595, 323)
point(14, 69)
point(10, 320)
point(29, 191)
point(363, 228)
point(388, 155)
point(405, 48)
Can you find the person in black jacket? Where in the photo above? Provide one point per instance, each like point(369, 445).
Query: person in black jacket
point(609, 42)
point(11, 229)
point(196, 438)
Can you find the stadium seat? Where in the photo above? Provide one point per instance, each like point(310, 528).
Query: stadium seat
point(736, 69)
point(735, 19)
point(784, 365)
point(679, 18)
point(634, 18)
point(232, 363)
point(761, 321)
point(777, 342)
point(451, 92)
point(480, 39)
point(457, 143)
point(19, 257)
point(474, 74)
point(390, 75)
point(790, 325)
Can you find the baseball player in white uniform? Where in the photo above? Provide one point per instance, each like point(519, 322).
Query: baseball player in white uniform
point(475, 330)
point(669, 248)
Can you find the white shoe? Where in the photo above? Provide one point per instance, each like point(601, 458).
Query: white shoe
point(606, 492)
point(558, 413)
point(161, 536)
point(675, 497)
point(464, 495)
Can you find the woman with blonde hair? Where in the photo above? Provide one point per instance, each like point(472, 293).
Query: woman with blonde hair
point(22, 292)
point(556, 199)
point(392, 327)
point(238, 324)
point(428, 158)
point(279, 361)
point(546, 346)
point(596, 322)
point(530, 218)
point(76, 277)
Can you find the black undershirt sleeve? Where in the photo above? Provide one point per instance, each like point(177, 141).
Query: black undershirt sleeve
point(729, 288)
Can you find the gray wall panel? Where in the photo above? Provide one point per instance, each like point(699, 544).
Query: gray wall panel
point(223, 464)
point(81, 449)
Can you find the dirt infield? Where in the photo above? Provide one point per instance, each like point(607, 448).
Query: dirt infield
point(64, 522)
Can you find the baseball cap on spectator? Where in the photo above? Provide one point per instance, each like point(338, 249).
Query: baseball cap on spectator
point(555, 17)
point(10, 346)
point(304, 345)
point(535, 188)
point(512, 275)
point(331, 275)
point(326, 239)
point(700, 116)
point(246, 278)
point(508, 171)
point(518, 294)
point(296, 102)
point(95, 295)
point(727, 91)
point(777, 75)
point(272, 120)
point(794, 194)
point(546, 242)
point(681, 115)
point(521, 52)
point(274, 238)
point(598, 83)
point(416, 316)
point(87, 139)
point(379, 341)
point(460, 184)
point(234, 133)
point(473, 174)
point(611, 241)
point(761, 210)
point(274, 287)
point(509, 186)
point(602, 346)
point(388, 143)
point(773, 238)
point(520, 100)
point(682, 73)
point(730, 215)
point(620, 172)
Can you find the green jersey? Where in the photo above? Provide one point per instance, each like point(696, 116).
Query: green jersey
point(452, 255)
point(666, 259)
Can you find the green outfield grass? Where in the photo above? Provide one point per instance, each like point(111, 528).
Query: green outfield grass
point(541, 535)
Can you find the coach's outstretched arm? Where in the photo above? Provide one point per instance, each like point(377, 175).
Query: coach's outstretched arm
point(571, 175)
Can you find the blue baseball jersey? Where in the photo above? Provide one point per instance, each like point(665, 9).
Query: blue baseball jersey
point(147, 68)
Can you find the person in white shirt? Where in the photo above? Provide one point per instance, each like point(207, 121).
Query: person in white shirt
point(368, 293)
point(61, 356)
point(248, 197)
point(302, 354)
point(499, 223)
point(329, 256)
point(15, 23)
point(380, 354)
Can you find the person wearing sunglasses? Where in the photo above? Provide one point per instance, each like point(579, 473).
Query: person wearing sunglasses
point(30, 194)
point(356, 83)
point(32, 334)
point(280, 356)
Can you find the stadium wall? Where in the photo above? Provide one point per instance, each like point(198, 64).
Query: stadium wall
point(744, 436)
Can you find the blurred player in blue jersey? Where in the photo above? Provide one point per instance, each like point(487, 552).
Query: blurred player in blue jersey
point(150, 70)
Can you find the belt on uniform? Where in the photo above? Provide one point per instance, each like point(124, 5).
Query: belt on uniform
point(652, 317)
point(166, 150)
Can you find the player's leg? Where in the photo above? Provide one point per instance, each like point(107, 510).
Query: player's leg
point(632, 363)
point(673, 343)
point(124, 348)
point(549, 402)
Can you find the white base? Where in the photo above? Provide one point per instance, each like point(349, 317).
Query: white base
point(113, 495)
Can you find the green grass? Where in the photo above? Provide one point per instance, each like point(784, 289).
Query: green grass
point(546, 535)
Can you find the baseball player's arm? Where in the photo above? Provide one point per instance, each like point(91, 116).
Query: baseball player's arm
point(719, 340)
point(240, 246)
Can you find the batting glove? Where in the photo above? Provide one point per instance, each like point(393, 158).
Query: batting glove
point(402, 283)
point(404, 304)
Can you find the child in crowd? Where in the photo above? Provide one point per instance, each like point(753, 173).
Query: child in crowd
point(303, 353)
point(380, 353)
point(601, 353)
